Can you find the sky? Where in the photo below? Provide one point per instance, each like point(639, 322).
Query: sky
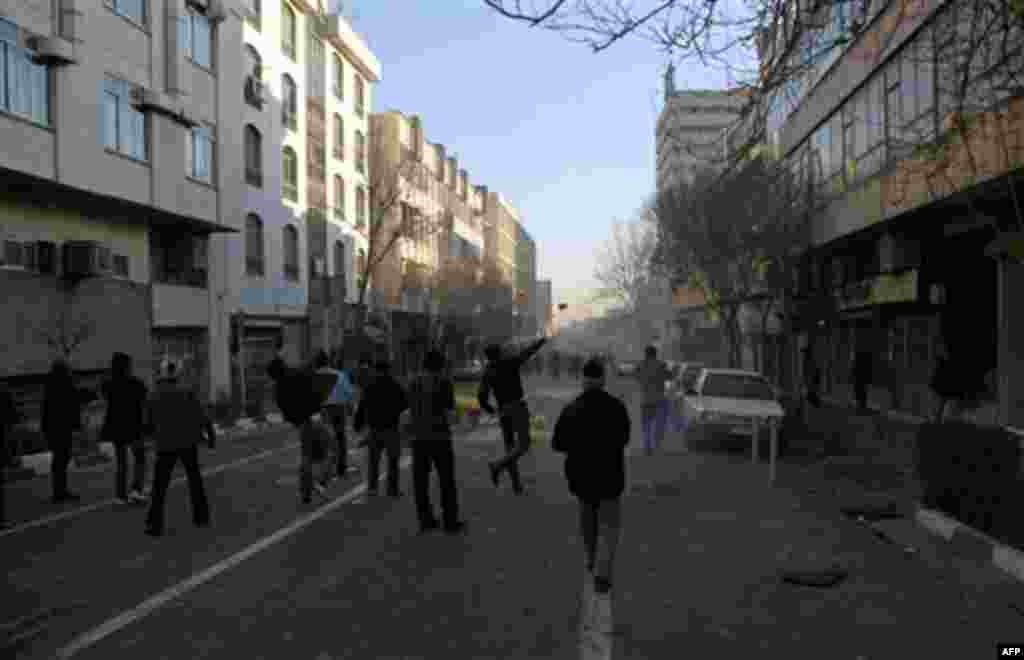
point(565, 134)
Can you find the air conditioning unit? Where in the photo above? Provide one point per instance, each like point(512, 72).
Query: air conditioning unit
point(81, 259)
point(51, 50)
point(46, 257)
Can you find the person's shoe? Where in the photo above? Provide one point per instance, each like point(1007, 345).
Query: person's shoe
point(457, 528)
point(307, 499)
point(602, 585)
point(495, 474)
point(124, 500)
point(153, 531)
point(138, 497)
point(320, 490)
point(396, 494)
point(66, 497)
point(519, 491)
point(429, 527)
point(371, 493)
point(204, 523)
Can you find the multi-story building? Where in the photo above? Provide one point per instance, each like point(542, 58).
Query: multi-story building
point(121, 171)
point(308, 93)
point(884, 232)
point(544, 311)
point(687, 134)
point(526, 280)
point(501, 234)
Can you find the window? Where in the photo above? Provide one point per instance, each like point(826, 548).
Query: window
point(289, 102)
point(339, 197)
point(289, 174)
point(288, 31)
point(360, 95)
point(253, 156)
point(339, 259)
point(199, 148)
point(124, 126)
point(196, 37)
point(339, 79)
point(360, 152)
point(254, 14)
point(316, 163)
point(291, 253)
point(24, 89)
point(895, 118)
point(360, 206)
point(254, 265)
point(339, 137)
point(254, 62)
point(849, 142)
point(316, 67)
point(361, 268)
point(133, 10)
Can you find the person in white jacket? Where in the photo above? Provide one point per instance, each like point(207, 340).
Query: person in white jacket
point(335, 409)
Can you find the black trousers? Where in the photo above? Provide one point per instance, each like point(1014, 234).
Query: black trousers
point(515, 431)
point(860, 391)
point(165, 461)
point(434, 453)
point(337, 419)
point(60, 447)
point(381, 441)
point(138, 451)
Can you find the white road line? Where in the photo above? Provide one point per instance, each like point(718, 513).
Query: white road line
point(74, 513)
point(153, 603)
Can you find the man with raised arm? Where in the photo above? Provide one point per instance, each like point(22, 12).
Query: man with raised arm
point(502, 378)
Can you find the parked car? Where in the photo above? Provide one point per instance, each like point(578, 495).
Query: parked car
point(730, 401)
point(685, 378)
point(471, 370)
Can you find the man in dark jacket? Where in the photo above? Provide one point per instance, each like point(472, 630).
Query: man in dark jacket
point(9, 416)
point(61, 417)
point(432, 413)
point(296, 395)
point(593, 432)
point(380, 407)
point(502, 377)
point(179, 423)
point(123, 425)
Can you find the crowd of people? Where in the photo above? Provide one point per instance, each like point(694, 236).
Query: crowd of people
point(319, 400)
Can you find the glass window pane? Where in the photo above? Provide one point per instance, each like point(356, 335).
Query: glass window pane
point(40, 94)
point(110, 107)
point(5, 53)
point(185, 33)
point(8, 31)
point(137, 134)
point(201, 40)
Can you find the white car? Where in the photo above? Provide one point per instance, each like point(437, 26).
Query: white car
point(730, 401)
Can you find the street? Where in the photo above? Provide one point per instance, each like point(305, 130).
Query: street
point(347, 577)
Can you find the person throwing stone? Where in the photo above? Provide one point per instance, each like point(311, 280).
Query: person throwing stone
point(502, 378)
point(593, 432)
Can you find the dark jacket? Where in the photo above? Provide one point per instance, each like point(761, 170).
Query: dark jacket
point(503, 379)
point(9, 416)
point(294, 392)
point(381, 405)
point(125, 419)
point(863, 362)
point(61, 413)
point(430, 399)
point(593, 432)
point(178, 418)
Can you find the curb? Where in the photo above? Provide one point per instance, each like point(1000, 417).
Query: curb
point(1002, 556)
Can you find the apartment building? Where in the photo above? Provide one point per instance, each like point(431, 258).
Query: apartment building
point(501, 240)
point(688, 130)
point(526, 281)
point(437, 204)
point(121, 172)
point(909, 262)
point(544, 307)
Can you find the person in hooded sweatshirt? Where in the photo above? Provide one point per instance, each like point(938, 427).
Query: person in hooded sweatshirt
point(593, 432)
point(61, 417)
point(380, 408)
point(124, 424)
point(179, 423)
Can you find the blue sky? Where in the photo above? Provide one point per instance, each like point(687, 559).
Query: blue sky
point(566, 135)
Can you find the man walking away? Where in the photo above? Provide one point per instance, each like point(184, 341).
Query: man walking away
point(502, 377)
point(380, 407)
point(593, 432)
point(9, 416)
point(432, 413)
point(338, 400)
point(61, 417)
point(296, 399)
point(123, 426)
point(179, 422)
point(652, 374)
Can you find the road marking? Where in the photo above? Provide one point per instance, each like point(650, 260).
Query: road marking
point(153, 603)
point(74, 513)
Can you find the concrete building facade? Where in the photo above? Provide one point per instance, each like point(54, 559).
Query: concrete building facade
point(122, 171)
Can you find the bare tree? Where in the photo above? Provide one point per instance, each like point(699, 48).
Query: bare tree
point(66, 332)
point(623, 265)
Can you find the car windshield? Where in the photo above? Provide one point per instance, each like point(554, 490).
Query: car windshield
point(737, 386)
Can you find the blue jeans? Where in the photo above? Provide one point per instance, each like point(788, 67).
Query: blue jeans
point(653, 417)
